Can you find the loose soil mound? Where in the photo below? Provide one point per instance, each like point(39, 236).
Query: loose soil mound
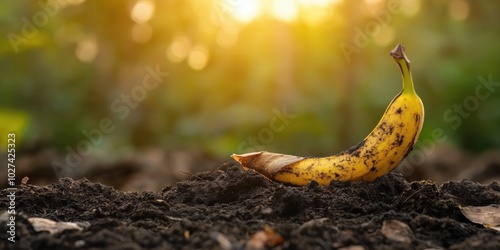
point(236, 209)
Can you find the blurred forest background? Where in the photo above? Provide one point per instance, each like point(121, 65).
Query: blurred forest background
point(234, 76)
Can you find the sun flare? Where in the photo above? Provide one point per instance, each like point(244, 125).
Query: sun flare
point(245, 11)
point(285, 10)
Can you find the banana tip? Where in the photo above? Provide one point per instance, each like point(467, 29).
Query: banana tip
point(240, 158)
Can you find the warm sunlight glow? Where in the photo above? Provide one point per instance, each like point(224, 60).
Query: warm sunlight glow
point(323, 3)
point(227, 36)
point(198, 57)
point(285, 10)
point(86, 50)
point(385, 37)
point(410, 8)
point(373, 2)
point(458, 9)
point(314, 12)
point(74, 2)
point(141, 33)
point(245, 11)
point(142, 11)
point(375, 7)
point(317, 3)
point(179, 49)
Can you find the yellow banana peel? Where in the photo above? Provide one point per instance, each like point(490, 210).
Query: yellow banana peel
point(379, 153)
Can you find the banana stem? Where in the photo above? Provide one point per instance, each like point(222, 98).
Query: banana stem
point(399, 56)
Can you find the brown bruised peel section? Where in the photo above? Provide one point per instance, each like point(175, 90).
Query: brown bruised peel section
point(399, 140)
point(391, 129)
point(307, 175)
point(409, 148)
point(356, 149)
point(417, 118)
point(286, 170)
point(324, 176)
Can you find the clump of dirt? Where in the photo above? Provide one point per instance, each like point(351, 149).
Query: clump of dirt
point(237, 209)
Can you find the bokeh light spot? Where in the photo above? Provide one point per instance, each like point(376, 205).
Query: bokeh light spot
point(141, 33)
point(142, 11)
point(458, 9)
point(198, 57)
point(385, 37)
point(86, 49)
point(315, 12)
point(411, 8)
point(179, 49)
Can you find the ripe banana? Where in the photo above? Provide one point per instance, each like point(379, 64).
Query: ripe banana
point(379, 153)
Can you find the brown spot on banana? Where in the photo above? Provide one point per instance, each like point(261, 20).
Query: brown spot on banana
point(354, 150)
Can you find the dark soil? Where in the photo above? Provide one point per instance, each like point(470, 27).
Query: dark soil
point(236, 209)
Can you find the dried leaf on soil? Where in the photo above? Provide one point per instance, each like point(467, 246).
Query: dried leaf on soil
point(488, 216)
point(267, 237)
point(397, 231)
point(53, 227)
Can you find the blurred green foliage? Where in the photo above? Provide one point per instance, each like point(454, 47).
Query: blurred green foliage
point(64, 63)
